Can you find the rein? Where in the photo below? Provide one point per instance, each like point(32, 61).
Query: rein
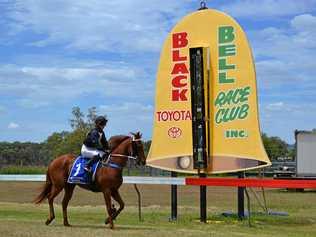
point(111, 164)
point(119, 155)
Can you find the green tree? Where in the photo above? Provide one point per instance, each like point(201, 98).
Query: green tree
point(22, 153)
point(71, 142)
point(91, 116)
point(58, 143)
point(54, 144)
point(77, 122)
point(275, 147)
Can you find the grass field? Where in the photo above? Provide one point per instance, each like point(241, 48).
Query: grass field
point(18, 217)
point(23, 170)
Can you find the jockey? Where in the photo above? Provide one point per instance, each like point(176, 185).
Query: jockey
point(95, 145)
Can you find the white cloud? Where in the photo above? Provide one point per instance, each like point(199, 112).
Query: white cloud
point(285, 56)
point(267, 8)
point(304, 22)
point(41, 86)
point(13, 125)
point(305, 26)
point(129, 110)
point(275, 106)
point(282, 43)
point(98, 25)
point(291, 111)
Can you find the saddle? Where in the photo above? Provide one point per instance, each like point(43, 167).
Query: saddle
point(78, 175)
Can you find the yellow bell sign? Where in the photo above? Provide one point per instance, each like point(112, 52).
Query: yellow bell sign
point(217, 43)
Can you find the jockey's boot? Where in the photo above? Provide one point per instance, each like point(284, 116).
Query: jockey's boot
point(90, 163)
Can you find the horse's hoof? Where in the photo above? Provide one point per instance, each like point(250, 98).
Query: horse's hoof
point(48, 222)
point(107, 221)
point(67, 225)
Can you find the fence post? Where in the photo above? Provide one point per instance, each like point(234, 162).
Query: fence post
point(174, 200)
point(241, 197)
point(203, 208)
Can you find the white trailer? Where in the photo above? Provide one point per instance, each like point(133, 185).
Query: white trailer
point(305, 153)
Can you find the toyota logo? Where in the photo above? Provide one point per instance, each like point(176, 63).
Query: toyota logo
point(174, 132)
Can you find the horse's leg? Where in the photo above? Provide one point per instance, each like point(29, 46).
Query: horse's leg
point(117, 197)
point(107, 198)
point(69, 188)
point(54, 192)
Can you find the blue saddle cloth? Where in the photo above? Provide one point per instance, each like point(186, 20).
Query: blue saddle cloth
point(78, 175)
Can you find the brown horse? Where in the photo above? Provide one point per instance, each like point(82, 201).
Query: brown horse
point(108, 179)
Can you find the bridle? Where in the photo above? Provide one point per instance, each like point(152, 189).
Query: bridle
point(133, 155)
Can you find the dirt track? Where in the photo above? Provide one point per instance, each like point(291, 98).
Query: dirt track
point(24, 192)
point(159, 195)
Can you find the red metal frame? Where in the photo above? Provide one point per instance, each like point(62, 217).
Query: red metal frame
point(267, 183)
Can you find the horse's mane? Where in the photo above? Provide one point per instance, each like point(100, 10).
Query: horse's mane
point(116, 140)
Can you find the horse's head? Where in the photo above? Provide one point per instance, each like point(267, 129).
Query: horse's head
point(138, 148)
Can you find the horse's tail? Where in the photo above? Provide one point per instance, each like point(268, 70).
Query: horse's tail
point(45, 190)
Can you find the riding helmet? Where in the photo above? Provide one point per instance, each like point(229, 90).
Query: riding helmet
point(101, 120)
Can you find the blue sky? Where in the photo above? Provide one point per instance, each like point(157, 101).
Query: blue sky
point(55, 55)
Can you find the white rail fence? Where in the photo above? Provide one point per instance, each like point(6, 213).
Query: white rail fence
point(126, 179)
